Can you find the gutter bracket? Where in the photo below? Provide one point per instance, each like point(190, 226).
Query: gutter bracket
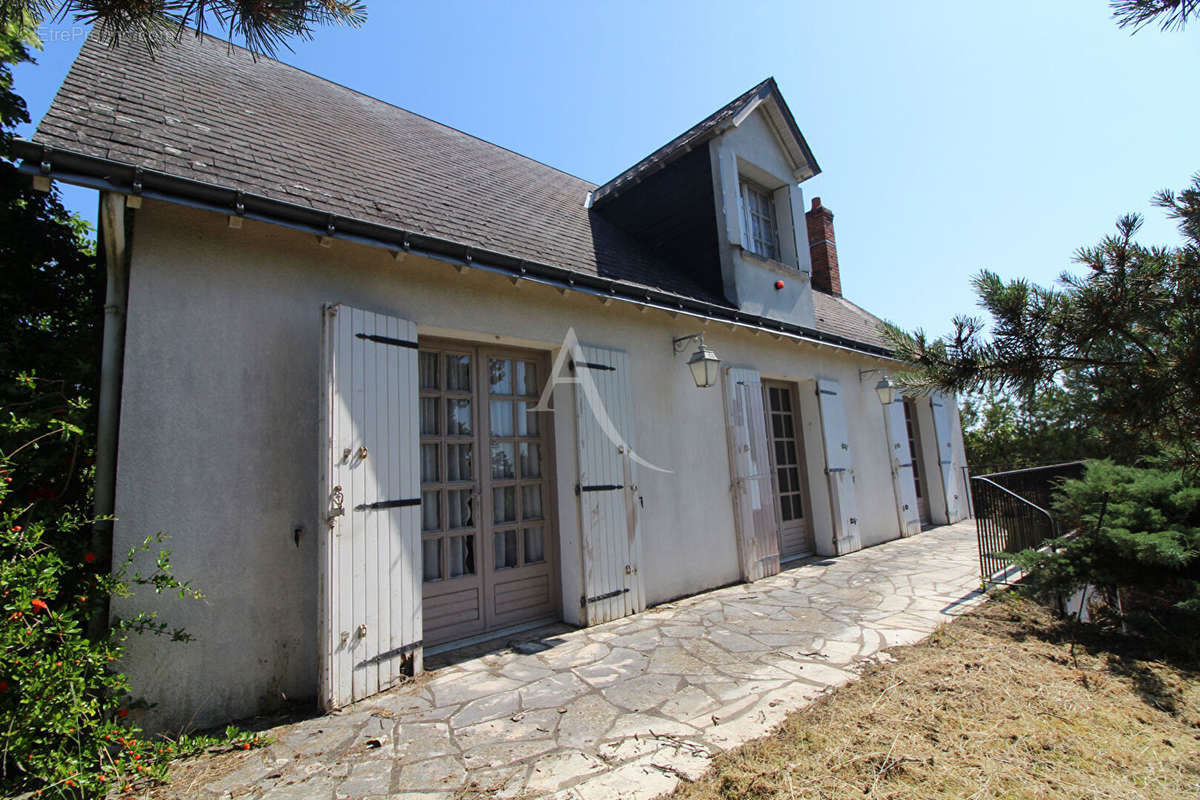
point(41, 179)
point(113, 176)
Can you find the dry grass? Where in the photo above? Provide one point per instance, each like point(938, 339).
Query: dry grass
point(991, 706)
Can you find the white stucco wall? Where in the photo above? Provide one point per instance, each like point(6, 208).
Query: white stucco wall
point(219, 440)
point(752, 150)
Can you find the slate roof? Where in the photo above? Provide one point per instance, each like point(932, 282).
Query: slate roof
point(698, 134)
point(206, 111)
point(210, 112)
point(839, 316)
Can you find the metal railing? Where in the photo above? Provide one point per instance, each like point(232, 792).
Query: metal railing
point(1011, 515)
point(1037, 484)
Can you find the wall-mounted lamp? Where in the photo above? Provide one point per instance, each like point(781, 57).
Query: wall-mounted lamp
point(886, 388)
point(704, 363)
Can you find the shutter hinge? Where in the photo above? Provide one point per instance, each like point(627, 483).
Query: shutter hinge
point(372, 337)
point(603, 487)
point(590, 365)
point(383, 504)
point(584, 600)
point(404, 651)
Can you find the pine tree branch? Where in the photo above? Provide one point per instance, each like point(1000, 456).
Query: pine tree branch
point(1172, 15)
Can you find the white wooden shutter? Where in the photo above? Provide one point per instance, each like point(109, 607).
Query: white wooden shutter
point(839, 467)
point(744, 216)
point(903, 480)
point(942, 429)
point(370, 537)
point(753, 496)
point(731, 197)
point(607, 489)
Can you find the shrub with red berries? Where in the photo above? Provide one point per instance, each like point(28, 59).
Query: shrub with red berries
point(64, 704)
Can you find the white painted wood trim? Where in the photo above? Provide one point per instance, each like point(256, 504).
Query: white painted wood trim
point(941, 405)
point(755, 521)
point(904, 484)
point(609, 523)
point(839, 467)
point(369, 573)
point(731, 195)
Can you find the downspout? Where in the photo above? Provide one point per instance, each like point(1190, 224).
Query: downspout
point(115, 227)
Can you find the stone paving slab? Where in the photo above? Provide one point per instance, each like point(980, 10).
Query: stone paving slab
point(628, 708)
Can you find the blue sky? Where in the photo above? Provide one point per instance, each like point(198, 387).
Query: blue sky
point(952, 136)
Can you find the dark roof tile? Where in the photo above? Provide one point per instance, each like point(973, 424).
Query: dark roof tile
point(839, 316)
point(208, 111)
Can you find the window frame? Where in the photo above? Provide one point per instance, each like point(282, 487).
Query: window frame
point(767, 216)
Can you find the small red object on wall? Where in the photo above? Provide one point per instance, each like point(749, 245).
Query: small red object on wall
point(778, 285)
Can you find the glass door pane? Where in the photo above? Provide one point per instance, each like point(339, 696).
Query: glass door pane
point(517, 474)
point(449, 493)
point(782, 431)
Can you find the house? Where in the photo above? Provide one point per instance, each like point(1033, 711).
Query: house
point(389, 387)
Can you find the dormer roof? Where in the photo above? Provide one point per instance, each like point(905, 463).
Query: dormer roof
point(766, 96)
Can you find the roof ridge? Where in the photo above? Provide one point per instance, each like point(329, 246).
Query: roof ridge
point(234, 46)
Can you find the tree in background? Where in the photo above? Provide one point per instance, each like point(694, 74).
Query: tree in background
point(1006, 431)
point(1124, 337)
point(1106, 365)
point(49, 300)
point(65, 724)
point(265, 25)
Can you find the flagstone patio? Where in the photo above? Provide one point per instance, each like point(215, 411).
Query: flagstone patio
point(624, 709)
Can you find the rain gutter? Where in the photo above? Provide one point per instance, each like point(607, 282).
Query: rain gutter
point(113, 176)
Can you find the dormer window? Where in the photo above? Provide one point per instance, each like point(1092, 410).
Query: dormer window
point(759, 228)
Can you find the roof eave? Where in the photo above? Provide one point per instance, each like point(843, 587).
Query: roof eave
point(809, 168)
point(106, 175)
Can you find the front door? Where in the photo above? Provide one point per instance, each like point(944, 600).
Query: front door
point(918, 461)
point(787, 470)
point(488, 542)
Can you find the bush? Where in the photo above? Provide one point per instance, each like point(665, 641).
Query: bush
point(63, 702)
point(1148, 541)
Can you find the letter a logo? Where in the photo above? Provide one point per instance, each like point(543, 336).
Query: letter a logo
point(570, 356)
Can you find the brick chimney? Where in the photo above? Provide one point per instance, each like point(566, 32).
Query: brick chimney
point(822, 249)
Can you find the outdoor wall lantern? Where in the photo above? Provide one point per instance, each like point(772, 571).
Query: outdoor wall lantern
point(886, 388)
point(704, 363)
